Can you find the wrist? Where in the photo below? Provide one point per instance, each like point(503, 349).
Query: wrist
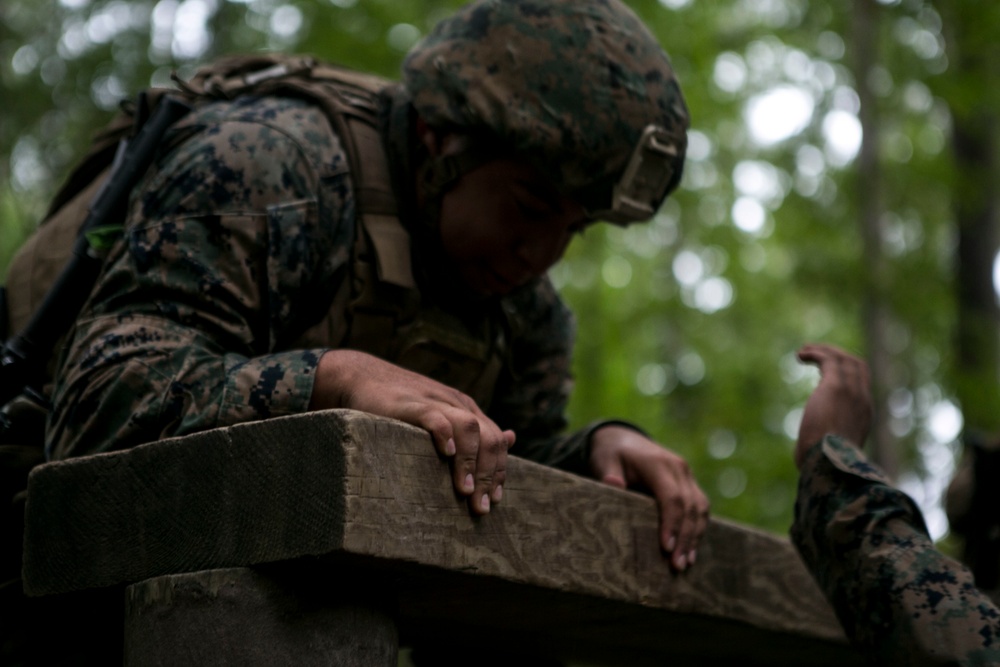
point(806, 453)
point(609, 427)
point(608, 433)
point(334, 376)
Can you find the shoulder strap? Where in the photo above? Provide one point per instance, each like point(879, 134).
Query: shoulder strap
point(381, 291)
point(349, 99)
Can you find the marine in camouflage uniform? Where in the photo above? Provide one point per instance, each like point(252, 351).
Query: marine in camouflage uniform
point(900, 600)
point(238, 240)
point(239, 237)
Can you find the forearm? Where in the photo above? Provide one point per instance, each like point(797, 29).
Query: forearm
point(128, 382)
point(898, 598)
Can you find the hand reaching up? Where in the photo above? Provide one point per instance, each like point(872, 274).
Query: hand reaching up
point(841, 404)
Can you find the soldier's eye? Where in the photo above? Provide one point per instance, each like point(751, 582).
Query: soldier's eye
point(532, 201)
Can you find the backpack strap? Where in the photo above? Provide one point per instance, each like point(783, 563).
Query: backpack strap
point(349, 99)
point(382, 289)
point(380, 292)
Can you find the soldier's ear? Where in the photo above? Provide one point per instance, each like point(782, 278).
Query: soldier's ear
point(428, 137)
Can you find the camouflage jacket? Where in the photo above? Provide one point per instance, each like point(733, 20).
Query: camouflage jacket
point(900, 600)
point(235, 242)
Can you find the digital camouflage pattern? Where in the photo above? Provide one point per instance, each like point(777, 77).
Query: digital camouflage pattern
point(229, 238)
point(236, 242)
point(239, 237)
point(899, 599)
point(569, 85)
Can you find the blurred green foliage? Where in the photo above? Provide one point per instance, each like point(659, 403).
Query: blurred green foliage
point(688, 325)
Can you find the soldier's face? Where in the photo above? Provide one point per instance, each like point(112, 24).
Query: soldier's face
point(504, 224)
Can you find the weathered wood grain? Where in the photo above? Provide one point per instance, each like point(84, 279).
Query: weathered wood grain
point(556, 530)
point(372, 491)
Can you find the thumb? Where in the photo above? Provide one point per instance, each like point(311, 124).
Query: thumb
point(510, 437)
point(612, 473)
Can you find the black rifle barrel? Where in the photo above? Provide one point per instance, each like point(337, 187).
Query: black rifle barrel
point(25, 354)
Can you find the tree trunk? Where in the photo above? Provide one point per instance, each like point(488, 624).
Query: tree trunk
point(972, 97)
point(875, 312)
point(973, 80)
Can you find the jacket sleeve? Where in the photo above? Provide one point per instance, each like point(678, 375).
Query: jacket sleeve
point(900, 600)
point(232, 242)
point(533, 390)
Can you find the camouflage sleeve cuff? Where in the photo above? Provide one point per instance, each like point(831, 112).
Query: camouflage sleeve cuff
point(843, 500)
point(835, 475)
point(268, 386)
point(898, 599)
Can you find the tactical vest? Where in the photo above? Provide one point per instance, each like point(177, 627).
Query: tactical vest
point(379, 309)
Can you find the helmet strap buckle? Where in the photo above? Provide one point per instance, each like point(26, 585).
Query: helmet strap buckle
point(644, 183)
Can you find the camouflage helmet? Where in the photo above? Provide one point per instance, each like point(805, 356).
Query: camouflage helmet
point(580, 88)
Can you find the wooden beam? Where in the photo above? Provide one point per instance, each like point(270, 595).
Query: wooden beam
point(369, 495)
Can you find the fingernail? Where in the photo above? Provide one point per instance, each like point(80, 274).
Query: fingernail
point(681, 562)
point(497, 493)
point(692, 557)
point(468, 484)
point(485, 503)
point(449, 447)
point(671, 543)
